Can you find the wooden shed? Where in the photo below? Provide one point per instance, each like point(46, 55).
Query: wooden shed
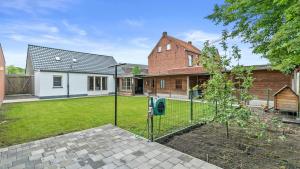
point(286, 100)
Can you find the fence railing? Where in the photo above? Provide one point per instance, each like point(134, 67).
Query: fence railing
point(180, 114)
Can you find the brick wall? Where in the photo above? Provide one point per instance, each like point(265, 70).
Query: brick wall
point(168, 60)
point(265, 79)
point(2, 75)
point(170, 85)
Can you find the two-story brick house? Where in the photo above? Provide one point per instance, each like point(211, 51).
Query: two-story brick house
point(173, 68)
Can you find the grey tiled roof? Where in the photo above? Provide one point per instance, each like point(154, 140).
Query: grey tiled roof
point(44, 59)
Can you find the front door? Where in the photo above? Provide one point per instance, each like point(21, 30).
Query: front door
point(139, 88)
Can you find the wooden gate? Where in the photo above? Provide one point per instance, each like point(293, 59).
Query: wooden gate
point(18, 84)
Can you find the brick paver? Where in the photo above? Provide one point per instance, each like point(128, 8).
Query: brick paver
point(105, 147)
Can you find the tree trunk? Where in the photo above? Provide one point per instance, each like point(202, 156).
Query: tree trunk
point(227, 130)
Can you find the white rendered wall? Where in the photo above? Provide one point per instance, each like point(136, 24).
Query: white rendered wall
point(77, 83)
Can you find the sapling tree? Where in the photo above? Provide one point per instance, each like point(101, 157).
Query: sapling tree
point(225, 79)
point(136, 70)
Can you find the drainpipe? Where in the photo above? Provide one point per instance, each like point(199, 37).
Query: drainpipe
point(68, 85)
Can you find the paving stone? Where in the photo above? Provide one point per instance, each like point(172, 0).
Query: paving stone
point(86, 167)
point(185, 158)
point(109, 166)
point(107, 153)
point(133, 164)
point(154, 162)
point(20, 166)
point(40, 151)
point(35, 157)
point(82, 152)
point(179, 166)
point(61, 149)
point(102, 147)
point(97, 157)
point(73, 166)
point(162, 157)
point(166, 165)
point(48, 158)
point(196, 162)
point(209, 166)
point(174, 160)
point(138, 153)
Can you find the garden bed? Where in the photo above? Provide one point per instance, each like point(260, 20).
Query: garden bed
point(209, 143)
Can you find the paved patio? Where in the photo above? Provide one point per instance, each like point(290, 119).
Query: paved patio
point(103, 147)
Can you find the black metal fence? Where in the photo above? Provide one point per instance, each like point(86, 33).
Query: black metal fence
point(180, 114)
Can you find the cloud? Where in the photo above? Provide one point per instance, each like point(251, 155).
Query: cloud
point(74, 28)
point(34, 6)
point(142, 42)
point(199, 36)
point(134, 22)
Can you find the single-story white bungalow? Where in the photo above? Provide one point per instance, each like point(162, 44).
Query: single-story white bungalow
point(64, 73)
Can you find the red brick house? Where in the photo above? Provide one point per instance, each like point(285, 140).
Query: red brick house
point(174, 69)
point(2, 75)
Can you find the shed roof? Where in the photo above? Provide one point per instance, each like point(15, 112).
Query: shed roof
point(285, 87)
point(60, 60)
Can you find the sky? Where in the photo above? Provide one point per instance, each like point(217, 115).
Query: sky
point(125, 29)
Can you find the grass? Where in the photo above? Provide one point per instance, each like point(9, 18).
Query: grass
point(29, 121)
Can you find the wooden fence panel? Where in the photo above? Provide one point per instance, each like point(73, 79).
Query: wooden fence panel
point(18, 84)
point(2, 75)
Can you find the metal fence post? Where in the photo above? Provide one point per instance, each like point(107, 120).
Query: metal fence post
point(152, 137)
point(191, 108)
point(268, 99)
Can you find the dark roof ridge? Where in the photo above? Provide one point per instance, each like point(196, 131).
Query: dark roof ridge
point(68, 50)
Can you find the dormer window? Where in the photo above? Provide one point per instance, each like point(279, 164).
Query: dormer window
point(57, 58)
point(168, 46)
point(190, 60)
point(159, 49)
point(74, 60)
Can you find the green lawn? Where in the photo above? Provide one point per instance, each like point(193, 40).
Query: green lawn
point(35, 120)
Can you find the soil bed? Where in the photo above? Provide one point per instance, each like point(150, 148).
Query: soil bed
point(209, 143)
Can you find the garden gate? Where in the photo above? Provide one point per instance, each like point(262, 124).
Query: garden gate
point(18, 84)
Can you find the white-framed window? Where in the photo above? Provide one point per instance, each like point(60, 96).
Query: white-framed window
point(91, 83)
point(126, 83)
point(190, 60)
point(104, 83)
point(57, 81)
point(162, 84)
point(168, 46)
point(97, 83)
point(159, 49)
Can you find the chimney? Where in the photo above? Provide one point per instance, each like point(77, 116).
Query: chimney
point(164, 34)
point(190, 42)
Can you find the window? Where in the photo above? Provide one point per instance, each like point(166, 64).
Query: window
point(168, 46)
point(190, 60)
point(159, 49)
point(162, 84)
point(57, 81)
point(97, 83)
point(91, 83)
point(152, 83)
point(178, 84)
point(104, 83)
point(126, 83)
